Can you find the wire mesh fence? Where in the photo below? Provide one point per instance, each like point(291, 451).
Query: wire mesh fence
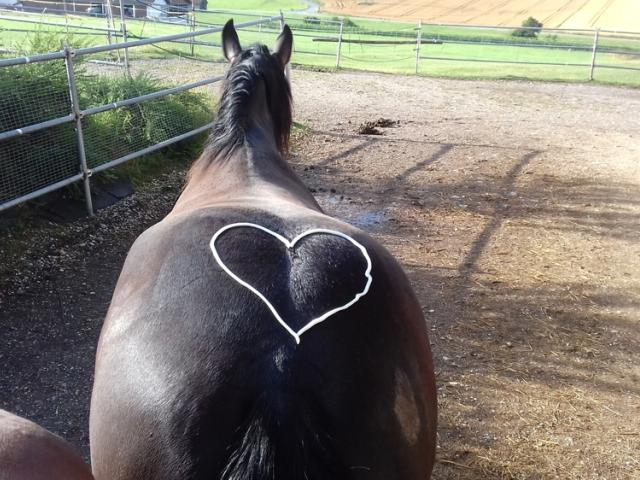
point(66, 115)
point(38, 92)
point(42, 158)
point(119, 132)
point(31, 94)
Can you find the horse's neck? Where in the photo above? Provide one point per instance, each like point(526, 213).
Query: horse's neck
point(254, 173)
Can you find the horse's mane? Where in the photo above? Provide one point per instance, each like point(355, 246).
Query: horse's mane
point(230, 127)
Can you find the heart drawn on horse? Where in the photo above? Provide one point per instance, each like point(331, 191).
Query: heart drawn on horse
point(290, 244)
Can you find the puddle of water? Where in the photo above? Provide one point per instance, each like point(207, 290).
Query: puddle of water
point(369, 219)
point(357, 215)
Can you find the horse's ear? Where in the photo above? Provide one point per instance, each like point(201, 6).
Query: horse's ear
point(230, 41)
point(284, 46)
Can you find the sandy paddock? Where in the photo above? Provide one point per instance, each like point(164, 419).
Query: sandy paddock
point(514, 208)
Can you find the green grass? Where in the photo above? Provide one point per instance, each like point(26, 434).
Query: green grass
point(446, 59)
point(33, 93)
point(116, 133)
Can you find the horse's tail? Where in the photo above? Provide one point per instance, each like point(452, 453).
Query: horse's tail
point(291, 444)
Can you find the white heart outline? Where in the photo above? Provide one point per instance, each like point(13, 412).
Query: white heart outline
point(290, 245)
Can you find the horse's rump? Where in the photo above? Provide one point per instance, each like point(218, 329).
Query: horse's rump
point(209, 356)
point(254, 354)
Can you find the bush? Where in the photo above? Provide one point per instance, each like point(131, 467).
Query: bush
point(330, 24)
point(30, 94)
point(532, 29)
point(348, 23)
point(118, 132)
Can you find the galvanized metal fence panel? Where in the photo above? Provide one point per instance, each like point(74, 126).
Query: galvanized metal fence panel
point(37, 126)
point(53, 133)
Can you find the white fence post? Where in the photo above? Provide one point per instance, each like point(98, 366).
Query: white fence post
point(418, 40)
point(66, 20)
point(192, 40)
point(77, 112)
point(123, 28)
point(595, 51)
point(109, 18)
point(339, 50)
point(111, 25)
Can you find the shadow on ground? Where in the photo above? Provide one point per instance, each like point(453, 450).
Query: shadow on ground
point(443, 215)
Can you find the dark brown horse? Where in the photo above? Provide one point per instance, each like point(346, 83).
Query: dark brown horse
point(29, 452)
point(251, 336)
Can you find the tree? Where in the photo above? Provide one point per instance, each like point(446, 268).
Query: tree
point(532, 29)
point(203, 4)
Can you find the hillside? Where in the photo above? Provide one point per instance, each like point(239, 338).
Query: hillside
point(605, 14)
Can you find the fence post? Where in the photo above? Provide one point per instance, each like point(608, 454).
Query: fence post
point(193, 29)
point(339, 50)
point(111, 26)
point(418, 40)
point(595, 50)
point(75, 109)
point(123, 29)
point(108, 16)
point(287, 69)
point(66, 20)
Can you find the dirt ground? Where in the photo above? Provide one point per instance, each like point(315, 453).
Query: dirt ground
point(513, 206)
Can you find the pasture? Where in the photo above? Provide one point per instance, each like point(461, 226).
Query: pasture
point(611, 14)
point(446, 51)
point(514, 210)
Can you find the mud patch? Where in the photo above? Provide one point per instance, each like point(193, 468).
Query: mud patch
point(373, 128)
point(353, 212)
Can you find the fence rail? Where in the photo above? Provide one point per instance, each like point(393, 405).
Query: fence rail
point(15, 190)
point(343, 43)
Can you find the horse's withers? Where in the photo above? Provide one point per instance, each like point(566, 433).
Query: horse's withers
point(195, 378)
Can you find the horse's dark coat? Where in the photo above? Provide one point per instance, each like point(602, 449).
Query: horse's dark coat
point(195, 379)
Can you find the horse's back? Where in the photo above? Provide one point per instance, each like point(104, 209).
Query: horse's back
point(29, 452)
point(193, 367)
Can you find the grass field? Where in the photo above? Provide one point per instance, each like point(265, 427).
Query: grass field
point(606, 14)
point(463, 52)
